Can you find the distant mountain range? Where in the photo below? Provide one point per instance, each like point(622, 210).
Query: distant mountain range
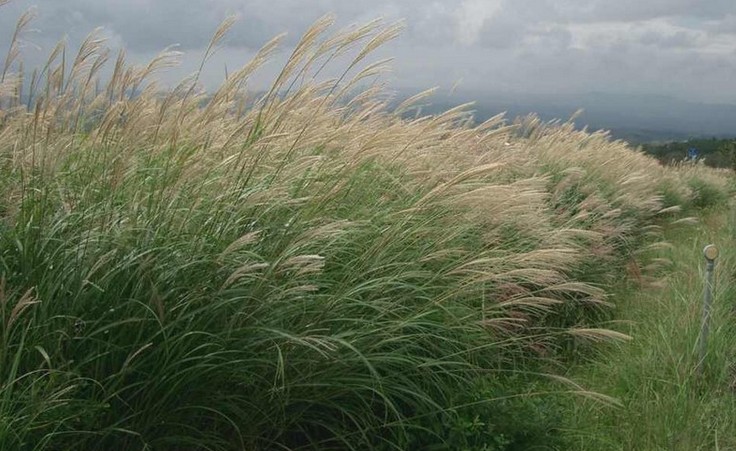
point(639, 119)
point(635, 118)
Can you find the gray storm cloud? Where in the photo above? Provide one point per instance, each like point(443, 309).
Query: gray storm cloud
point(683, 48)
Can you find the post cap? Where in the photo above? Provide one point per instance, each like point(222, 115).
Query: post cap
point(710, 252)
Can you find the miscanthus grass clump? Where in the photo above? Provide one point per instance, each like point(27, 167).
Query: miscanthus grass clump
point(182, 269)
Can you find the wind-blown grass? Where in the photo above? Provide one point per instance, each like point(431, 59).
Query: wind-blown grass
point(308, 269)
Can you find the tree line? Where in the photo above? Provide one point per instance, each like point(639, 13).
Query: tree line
point(715, 152)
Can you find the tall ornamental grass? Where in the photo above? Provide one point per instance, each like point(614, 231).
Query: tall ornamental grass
point(306, 268)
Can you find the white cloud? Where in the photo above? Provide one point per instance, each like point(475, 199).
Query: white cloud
point(471, 17)
point(685, 48)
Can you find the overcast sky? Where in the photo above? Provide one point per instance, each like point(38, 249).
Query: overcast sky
point(680, 48)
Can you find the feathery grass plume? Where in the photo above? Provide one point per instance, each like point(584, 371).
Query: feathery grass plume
point(15, 45)
point(304, 269)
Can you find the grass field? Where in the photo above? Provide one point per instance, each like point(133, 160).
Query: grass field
point(309, 269)
point(666, 404)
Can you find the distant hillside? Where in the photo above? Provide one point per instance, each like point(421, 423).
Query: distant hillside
point(637, 119)
point(715, 152)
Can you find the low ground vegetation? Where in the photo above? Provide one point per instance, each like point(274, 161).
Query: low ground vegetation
point(665, 403)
